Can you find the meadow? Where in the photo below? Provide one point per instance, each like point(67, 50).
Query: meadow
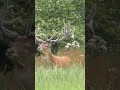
point(53, 78)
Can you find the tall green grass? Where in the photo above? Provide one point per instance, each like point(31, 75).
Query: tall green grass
point(52, 78)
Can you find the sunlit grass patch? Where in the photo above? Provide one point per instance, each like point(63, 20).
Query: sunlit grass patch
point(52, 78)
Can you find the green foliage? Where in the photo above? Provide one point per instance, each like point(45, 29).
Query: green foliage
point(22, 9)
point(51, 15)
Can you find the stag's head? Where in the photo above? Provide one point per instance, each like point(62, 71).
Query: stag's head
point(45, 44)
point(20, 49)
point(44, 47)
point(21, 54)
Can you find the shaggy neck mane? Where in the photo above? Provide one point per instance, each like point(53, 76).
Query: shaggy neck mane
point(49, 55)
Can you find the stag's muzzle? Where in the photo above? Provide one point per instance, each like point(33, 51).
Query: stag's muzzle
point(39, 48)
point(10, 53)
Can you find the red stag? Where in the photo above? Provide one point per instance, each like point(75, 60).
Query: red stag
point(45, 47)
point(60, 61)
point(20, 53)
point(97, 74)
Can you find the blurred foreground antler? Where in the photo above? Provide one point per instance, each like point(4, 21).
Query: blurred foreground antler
point(11, 35)
point(94, 43)
point(5, 31)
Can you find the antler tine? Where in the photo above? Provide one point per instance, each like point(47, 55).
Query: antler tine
point(67, 32)
point(4, 30)
point(3, 11)
point(8, 33)
point(89, 19)
point(51, 39)
point(28, 30)
point(11, 21)
point(38, 40)
point(91, 14)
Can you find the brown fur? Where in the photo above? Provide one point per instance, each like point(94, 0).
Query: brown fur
point(19, 78)
point(97, 73)
point(76, 55)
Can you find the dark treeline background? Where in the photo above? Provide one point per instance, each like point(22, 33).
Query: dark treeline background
point(106, 25)
point(107, 20)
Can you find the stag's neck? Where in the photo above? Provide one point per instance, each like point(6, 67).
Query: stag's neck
point(49, 55)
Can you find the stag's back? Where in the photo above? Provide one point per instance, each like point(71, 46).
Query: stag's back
point(61, 61)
